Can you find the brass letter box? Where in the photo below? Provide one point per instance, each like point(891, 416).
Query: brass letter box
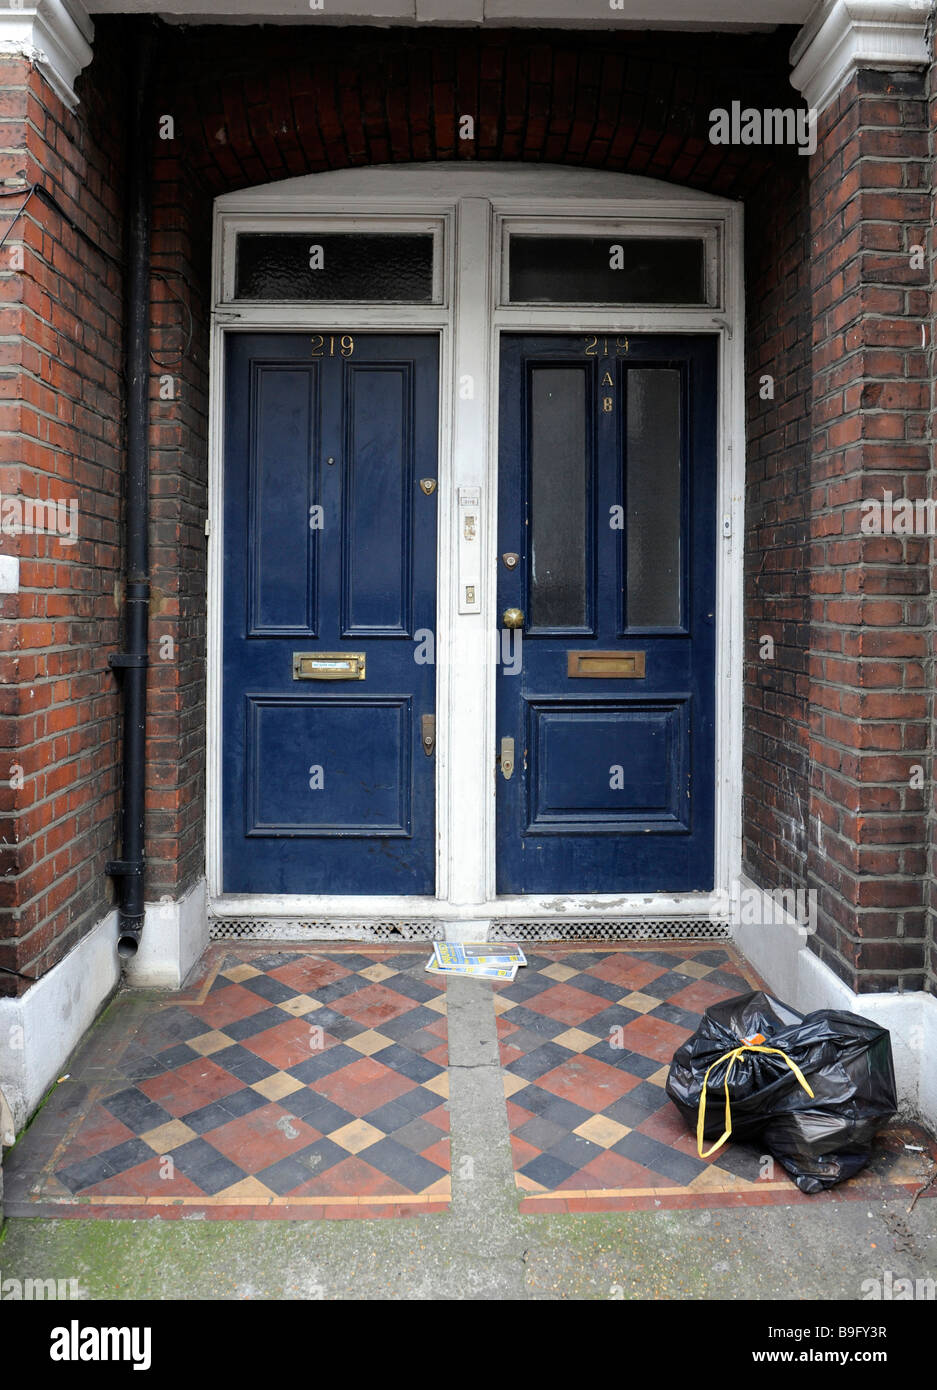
point(605, 665)
point(328, 666)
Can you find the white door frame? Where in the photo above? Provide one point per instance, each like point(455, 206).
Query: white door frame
point(471, 210)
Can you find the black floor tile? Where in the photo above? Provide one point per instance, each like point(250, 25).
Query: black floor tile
point(602, 1024)
point(421, 1041)
point(242, 1102)
point(683, 1018)
point(335, 1024)
point(638, 1105)
point(413, 988)
point(388, 1118)
point(575, 1150)
point(140, 1066)
point(177, 1056)
point(340, 989)
point(315, 1110)
point(136, 1110)
point(402, 1164)
point(130, 1154)
point(274, 960)
point(640, 1148)
point(543, 1134)
point(419, 1100)
point(592, 984)
point(243, 1064)
point(536, 1064)
point(324, 1063)
point(529, 1019)
point(289, 1173)
point(206, 1118)
point(206, 1167)
point(85, 1173)
point(270, 989)
point(398, 1028)
point(256, 1023)
point(548, 1171)
point(417, 1135)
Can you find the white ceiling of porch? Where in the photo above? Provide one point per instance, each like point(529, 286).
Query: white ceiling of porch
point(579, 14)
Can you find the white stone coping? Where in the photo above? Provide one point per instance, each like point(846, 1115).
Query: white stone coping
point(842, 36)
point(56, 35)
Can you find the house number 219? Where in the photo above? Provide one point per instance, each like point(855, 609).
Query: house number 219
point(346, 345)
point(619, 347)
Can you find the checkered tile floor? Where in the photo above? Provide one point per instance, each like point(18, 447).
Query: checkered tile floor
point(293, 1082)
point(312, 1082)
point(586, 1038)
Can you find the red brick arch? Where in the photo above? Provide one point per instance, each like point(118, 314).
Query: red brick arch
point(259, 105)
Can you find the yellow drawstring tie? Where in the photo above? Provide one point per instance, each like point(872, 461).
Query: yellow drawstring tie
point(733, 1057)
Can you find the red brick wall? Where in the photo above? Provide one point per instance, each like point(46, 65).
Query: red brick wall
point(871, 615)
point(775, 789)
point(251, 106)
point(930, 962)
point(255, 105)
point(60, 437)
point(181, 257)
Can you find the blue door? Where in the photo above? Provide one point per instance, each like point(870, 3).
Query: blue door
point(607, 545)
point(329, 607)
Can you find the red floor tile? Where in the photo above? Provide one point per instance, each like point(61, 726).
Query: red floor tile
point(569, 1005)
point(310, 974)
point(154, 1178)
point(289, 1043)
point(353, 1177)
point(439, 1152)
point(363, 1086)
point(517, 1115)
point(228, 1005)
point(191, 1086)
point(614, 1170)
point(439, 1117)
point(698, 996)
point(522, 1151)
point(588, 1082)
point(653, 1037)
point(263, 1137)
point(373, 1005)
point(631, 972)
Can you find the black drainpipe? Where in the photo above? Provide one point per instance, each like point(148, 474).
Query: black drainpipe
point(132, 662)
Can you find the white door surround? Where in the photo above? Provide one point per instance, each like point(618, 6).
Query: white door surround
point(471, 212)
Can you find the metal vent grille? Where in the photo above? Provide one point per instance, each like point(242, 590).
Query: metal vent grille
point(318, 929)
point(423, 929)
point(600, 929)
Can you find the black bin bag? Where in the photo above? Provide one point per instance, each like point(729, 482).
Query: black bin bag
point(811, 1089)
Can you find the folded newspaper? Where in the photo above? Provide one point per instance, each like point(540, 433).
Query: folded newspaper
point(479, 960)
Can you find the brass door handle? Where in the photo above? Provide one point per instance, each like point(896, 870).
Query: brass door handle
point(512, 617)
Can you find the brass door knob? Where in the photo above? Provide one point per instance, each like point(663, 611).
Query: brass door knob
point(512, 617)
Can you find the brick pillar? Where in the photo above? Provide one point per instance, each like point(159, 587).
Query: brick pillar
point(61, 422)
point(870, 611)
point(178, 459)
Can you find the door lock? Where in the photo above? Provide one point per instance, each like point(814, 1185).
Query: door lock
point(510, 558)
point(506, 758)
point(428, 734)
